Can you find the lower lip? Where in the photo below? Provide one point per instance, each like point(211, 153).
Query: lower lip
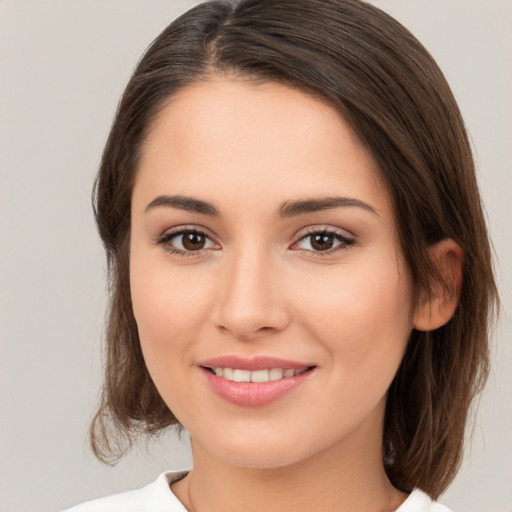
point(253, 394)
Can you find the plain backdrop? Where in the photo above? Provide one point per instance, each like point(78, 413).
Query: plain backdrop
point(63, 66)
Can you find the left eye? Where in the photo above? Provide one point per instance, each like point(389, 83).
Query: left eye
point(322, 241)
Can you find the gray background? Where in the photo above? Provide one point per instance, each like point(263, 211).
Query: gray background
point(63, 65)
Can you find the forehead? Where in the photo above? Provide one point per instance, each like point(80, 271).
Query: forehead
point(266, 140)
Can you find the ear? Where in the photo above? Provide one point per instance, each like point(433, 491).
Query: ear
point(437, 309)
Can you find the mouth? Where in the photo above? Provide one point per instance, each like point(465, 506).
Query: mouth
point(256, 376)
point(254, 381)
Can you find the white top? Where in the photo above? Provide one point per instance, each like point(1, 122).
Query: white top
point(158, 497)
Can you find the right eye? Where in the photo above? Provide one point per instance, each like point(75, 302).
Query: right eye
point(186, 241)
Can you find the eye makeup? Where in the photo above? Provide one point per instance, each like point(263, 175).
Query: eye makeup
point(186, 241)
point(192, 241)
point(324, 242)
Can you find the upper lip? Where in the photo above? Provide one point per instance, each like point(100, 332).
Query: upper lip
point(252, 363)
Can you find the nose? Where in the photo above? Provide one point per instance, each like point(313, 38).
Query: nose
point(252, 300)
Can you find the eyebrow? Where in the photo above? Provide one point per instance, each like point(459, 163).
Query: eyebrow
point(304, 206)
point(286, 209)
point(186, 203)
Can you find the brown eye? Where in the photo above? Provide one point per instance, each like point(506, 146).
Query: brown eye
point(193, 241)
point(322, 241)
point(186, 241)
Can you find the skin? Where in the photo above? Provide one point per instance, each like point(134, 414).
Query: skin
point(259, 287)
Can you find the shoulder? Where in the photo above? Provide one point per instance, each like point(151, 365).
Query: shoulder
point(418, 501)
point(154, 497)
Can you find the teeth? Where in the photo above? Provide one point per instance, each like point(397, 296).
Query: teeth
point(227, 373)
point(275, 374)
point(257, 375)
point(242, 376)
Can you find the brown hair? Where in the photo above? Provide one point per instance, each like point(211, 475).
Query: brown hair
point(384, 82)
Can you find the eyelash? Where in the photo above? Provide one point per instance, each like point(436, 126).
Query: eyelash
point(167, 237)
point(345, 241)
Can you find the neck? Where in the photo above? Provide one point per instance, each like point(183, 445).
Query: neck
point(346, 477)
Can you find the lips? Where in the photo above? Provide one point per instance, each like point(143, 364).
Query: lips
point(256, 381)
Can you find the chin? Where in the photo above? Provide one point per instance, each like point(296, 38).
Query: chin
point(261, 452)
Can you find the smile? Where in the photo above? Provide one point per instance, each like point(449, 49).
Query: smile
point(261, 382)
point(264, 375)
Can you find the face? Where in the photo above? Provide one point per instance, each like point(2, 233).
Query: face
point(264, 249)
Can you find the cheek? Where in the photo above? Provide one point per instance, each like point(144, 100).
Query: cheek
point(170, 306)
point(363, 315)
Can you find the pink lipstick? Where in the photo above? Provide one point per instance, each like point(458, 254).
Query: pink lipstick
point(253, 381)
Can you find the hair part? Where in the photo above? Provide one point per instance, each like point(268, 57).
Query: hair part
point(386, 85)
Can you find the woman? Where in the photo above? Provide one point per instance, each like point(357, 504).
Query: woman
point(300, 269)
